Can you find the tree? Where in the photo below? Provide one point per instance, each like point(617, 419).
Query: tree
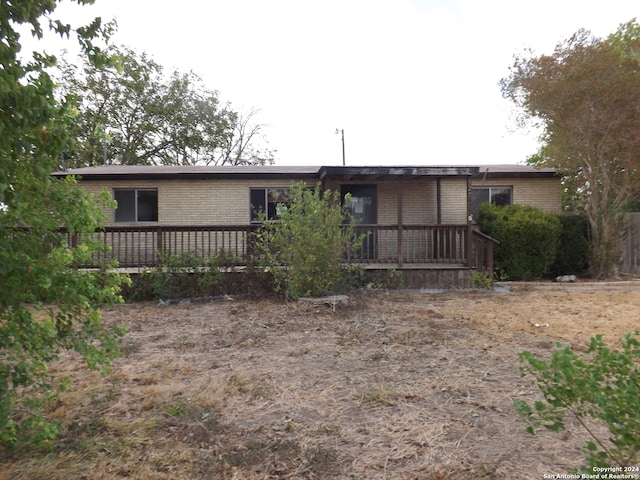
point(47, 304)
point(241, 147)
point(133, 114)
point(586, 96)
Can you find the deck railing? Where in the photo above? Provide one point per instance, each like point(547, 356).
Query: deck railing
point(148, 246)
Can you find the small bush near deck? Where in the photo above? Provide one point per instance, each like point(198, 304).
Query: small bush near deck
point(189, 276)
point(178, 276)
point(529, 239)
point(306, 246)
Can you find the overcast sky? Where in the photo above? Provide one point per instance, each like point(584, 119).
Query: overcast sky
point(412, 82)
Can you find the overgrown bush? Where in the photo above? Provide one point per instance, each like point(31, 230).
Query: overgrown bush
point(528, 237)
point(573, 253)
point(189, 275)
point(602, 387)
point(185, 275)
point(304, 249)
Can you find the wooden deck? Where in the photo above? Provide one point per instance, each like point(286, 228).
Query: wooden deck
point(405, 247)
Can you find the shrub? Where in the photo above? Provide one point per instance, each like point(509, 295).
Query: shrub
point(180, 276)
point(528, 239)
point(601, 386)
point(482, 280)
point(575, 246)
point(305, 248)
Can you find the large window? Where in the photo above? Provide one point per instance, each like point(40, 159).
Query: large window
point(495, 195)
point(136, 205)
point(267, 203)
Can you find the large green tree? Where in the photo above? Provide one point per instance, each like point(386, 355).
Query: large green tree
point(135, 114)
point(47, 304)
point(586, 97)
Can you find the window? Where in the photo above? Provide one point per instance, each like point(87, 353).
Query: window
point(495, 195)
point(268, 203)
point(136, 205)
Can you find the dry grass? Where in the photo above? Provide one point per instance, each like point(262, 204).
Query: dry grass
point(399, 386)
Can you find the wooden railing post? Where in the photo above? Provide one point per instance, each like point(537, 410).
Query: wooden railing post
point(400, 194)
point(469, 245)
point(159, 245)
point(489, 260)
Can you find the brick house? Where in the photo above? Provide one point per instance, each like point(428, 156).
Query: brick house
point(416, 217)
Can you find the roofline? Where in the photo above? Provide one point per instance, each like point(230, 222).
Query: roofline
point(537, 174)
point(399, 171)
point(187, 176)
point(136, 173)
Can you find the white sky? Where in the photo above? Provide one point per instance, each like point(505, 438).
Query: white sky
point(411, 82)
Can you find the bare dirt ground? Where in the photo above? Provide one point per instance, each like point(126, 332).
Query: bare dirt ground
point(394, 386)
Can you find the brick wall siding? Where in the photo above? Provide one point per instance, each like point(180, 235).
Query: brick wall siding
point(542, 193)
point(226, 202)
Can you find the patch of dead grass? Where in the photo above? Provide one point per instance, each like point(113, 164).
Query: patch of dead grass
point(399, 386)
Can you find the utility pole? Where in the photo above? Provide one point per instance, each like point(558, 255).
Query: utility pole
point(337, 132)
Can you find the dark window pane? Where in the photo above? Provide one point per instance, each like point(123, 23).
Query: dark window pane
point(268, 202)
point(147, 205)
point(501, 196)
point(126, 210)
point(258, 204)
point(278, 201)
point(478, 197)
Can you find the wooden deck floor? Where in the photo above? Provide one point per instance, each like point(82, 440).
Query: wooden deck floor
point(412, 266)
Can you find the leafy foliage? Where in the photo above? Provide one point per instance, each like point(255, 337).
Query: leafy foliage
point(194, 275)
point(47, 304)
point(134, 114)
point(528, 237)
point(603, 385)
point(585, 96)
point(184, 276)
point(573, 253)
point(305, 247)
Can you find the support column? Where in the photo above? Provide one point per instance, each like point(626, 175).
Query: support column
point(400, 193)
point(439, 200)
point(469, 242)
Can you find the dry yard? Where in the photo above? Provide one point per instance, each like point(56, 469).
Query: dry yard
point(394, 386)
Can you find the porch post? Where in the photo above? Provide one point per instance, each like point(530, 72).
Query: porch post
point(159, 245)
point(469, 242)
point(439, 200)
point(400, 192)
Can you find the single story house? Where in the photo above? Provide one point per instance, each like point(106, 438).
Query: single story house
point(416, 217)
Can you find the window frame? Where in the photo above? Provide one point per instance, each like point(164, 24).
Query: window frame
point(136, 205)
point(489, 188)
point(270, 207)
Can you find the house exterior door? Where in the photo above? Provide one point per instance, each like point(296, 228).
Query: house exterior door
point(363, 206)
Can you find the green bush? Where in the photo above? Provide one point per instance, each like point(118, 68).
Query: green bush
point(575, 246)
point(600, 387)
point(179, 276)
point(528, 237)
point(304, 249)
